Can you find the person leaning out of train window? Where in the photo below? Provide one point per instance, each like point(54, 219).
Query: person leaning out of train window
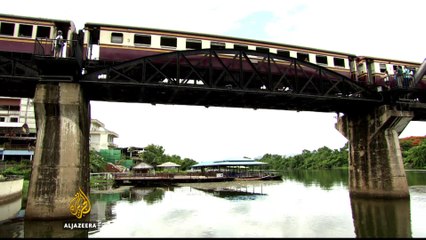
point(399, 76)
point(407, 77)
point(386, 79)
point(59, 44)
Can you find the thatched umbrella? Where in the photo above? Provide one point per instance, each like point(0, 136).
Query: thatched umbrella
point(168, 165)
point(142, 168)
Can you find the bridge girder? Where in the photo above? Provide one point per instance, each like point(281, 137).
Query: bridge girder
point(232, 78)
point(18, 75)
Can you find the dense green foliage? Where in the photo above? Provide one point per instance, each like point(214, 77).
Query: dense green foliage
point(323, 158)
point(22, 168)
point(97, 162)
point(415, 157)
point(413, 152)
point(154, 155)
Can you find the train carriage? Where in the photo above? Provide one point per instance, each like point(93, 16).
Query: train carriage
point(106, 42)
point(19, 34)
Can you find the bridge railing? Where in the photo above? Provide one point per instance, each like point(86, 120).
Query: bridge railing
point(45, 47)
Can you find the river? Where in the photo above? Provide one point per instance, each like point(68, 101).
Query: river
point(305, 204)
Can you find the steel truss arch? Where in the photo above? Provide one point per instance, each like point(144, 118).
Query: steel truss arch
point(234, 78)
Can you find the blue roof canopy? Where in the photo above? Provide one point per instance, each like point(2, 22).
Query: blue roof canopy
point(16, 152)
point(229, 163)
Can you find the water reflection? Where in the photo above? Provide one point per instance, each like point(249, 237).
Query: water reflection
point(305, 204)
point(326, 179)
point(233, 191)
point(150, 195)
point(381, 218)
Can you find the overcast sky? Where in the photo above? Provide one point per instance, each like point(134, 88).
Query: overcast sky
point(389, 29)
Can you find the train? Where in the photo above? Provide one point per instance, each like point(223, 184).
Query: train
point(99, 44)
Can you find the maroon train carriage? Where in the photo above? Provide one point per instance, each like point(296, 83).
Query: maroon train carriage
point(29, 35)
point(111, 43)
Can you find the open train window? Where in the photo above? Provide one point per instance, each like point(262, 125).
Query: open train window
point(262, 50)
point(283, 53)
point(168, 42)
point(14, 119)
point(116, 37)
point(25, 30)
point(303, 56)
point(217, 45)
point(43, 32)
point(240, 47)
point(382, 67)
point(361, 68)
point(339, 62)
point(7, 28)
point(14, 108)
point(321, 59)
point(142, 39)
point(193, 44)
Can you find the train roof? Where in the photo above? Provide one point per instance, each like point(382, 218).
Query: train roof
point(92, 24)
point(2, 15)
point(388, 60)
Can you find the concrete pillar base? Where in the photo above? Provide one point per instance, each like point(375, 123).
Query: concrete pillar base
point(61, 161)
point(376, 168)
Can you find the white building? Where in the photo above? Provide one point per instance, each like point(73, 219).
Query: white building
point(17, 128)
point(100, 137)
point(18, 110)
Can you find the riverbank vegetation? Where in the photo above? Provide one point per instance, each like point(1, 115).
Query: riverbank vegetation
point(155, 155)
point(413, 151)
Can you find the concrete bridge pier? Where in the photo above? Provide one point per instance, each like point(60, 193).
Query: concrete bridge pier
point(376, 168)
point(61, 161)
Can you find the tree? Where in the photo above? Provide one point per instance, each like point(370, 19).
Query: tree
point(187, 163)
point(97, 162)
point(416, 156)
point(153, 155)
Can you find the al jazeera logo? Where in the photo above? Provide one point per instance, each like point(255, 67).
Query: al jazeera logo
point(80, 207)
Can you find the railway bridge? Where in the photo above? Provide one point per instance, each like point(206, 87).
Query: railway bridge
point(62, 89)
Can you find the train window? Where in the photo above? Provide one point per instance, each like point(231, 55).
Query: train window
point(25, 30)
point(43, 32)
point(2, 119)
point(193, 44)
point(382, 67)
point(339, 62)
point(7, 28)
point(283, 53)
point(240, 47)
point(361, 68)
point(14, 119)
point(116, 37)
point(217, 45)
point(168, 41)
point(303, 56)
point(262, 49)
point(142, 39)
point(321, 59)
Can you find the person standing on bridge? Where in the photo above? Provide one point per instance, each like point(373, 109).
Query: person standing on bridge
point(59, 44)
point(399, 76)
